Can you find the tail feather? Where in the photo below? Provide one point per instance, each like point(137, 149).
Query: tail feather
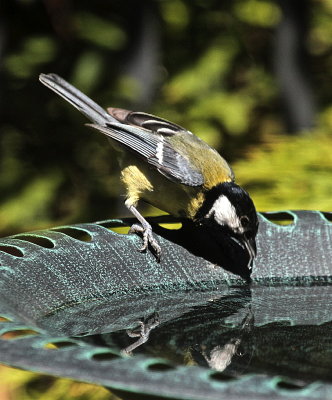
point(83, 103)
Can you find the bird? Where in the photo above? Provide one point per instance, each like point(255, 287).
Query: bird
point(170, 168)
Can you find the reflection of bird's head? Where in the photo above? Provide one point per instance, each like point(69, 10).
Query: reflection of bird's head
point(229, 210)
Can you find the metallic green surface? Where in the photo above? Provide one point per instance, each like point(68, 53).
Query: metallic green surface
point(95, 287)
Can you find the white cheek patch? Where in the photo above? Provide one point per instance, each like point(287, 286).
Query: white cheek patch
point(224, 213)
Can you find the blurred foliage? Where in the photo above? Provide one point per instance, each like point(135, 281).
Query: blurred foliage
point(204, 64)
point(289, 169)
point(208, 69)
point(16, 384)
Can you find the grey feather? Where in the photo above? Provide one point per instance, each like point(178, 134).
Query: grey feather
point(76, 98)
point(152, 122)
point(174, 166)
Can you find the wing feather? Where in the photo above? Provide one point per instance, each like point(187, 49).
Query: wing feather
point(144, 120)
point(155, 150)
point(143, 134)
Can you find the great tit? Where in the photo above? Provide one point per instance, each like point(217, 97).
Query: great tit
point(170, 168)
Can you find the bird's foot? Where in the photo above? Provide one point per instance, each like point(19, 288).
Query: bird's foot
point(143, 333)
point(148, 238)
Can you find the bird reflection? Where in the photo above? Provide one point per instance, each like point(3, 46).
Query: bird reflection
point(221, 356)
point(199, 337)
point(143, 333)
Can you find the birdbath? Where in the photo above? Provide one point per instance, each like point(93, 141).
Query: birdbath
point(80, 302)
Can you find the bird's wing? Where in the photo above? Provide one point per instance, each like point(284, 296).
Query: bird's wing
point(155, 149)
point(187, 163)
point(143, 134)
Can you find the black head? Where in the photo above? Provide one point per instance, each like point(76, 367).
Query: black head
point(228, 209)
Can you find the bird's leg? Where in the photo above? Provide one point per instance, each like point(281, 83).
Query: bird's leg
point(143, 333)
point(146, 230)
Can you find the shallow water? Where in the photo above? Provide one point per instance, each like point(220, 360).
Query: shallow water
point(278, 331)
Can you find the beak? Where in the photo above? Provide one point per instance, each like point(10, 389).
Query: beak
point(250, 245)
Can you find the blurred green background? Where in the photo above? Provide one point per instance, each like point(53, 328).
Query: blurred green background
point(251, 77)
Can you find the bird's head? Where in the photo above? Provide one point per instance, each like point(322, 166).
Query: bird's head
point(229, 211)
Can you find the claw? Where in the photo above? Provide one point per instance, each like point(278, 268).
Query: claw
point(148, 239)
point(145, 229)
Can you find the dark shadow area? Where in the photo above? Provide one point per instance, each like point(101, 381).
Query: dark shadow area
point(203, 242)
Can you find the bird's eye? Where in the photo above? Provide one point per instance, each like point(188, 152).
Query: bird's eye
point(244, 221)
